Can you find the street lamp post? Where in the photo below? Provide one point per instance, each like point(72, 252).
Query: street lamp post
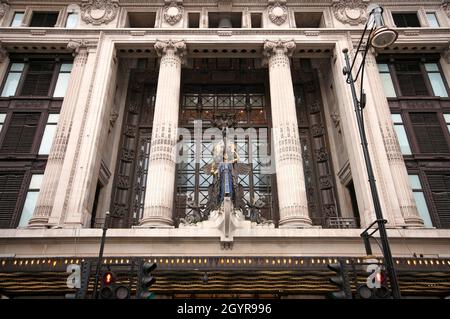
point(379, 37)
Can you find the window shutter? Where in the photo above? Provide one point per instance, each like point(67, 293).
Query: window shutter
point(440, 190)
point(19, 136)
point(429, 134)
point(10, 184)
point(412, 85)
point(38, 78)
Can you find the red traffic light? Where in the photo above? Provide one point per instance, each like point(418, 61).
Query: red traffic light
point(108, 278)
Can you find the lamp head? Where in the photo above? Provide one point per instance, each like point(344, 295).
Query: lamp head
point(382, 36)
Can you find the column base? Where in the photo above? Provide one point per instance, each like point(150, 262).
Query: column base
point(414, 222)
point(295, 222)
point(156, 222)
point(38, 223)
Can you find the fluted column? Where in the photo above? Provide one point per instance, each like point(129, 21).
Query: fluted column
point(397, 168)
point(4, 61)
point(159, 192)
point(55, 160)
point(292, 200)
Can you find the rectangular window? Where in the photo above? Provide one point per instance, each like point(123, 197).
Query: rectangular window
point(63, 80)
point(72, 20)
point(44, 19)
point(428, 132)
point(193, 19)
point(432, 20)
point(308, 19)
point(403, 20)
point(31, 199)
point(386, 80)
point(13, 79)
point(17, 19)
point(401, 134)
point(49, 134)
point(38, 78)
point(256, 20)
point(19, 136)
point(141, 19)
point(2, 120)
point(436, 80)
point(411, 79)
point(447, 121)
point(420, 200)
point(225, 20)
point(440, 191)
point(10, 185)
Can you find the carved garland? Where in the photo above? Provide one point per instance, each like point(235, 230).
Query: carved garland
point(277, 13)
point(173, 13)
point(352, 12)
point(97, 12)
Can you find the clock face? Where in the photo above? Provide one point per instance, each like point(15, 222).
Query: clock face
point(277, 11)
point(173, 11)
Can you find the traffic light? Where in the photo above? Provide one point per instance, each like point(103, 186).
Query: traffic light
point(110, 289)
point(376, 286)
point(146, 280)
point(340, 279)
point(107, 285)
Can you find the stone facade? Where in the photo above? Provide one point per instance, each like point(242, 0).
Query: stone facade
point(106, 46)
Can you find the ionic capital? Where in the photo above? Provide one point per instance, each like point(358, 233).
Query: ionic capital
point(272, 48)
point(3, 53)
point(77, 46)
point(164, 47)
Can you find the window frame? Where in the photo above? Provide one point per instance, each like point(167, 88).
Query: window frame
point(29, 14)
point(13, 14)
point(436, 15)
point(416, 12)
point(392, 61)
point(58, 60)
point(424, 184)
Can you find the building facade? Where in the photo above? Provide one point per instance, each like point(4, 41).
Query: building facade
point(121, 106)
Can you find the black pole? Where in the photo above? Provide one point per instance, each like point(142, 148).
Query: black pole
point(100, 255)
point(376, 201)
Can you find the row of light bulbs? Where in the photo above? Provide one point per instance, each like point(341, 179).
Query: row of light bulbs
point(222, 261)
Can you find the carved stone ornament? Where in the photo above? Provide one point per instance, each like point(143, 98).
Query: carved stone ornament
point(277, 13)
point(352, 12)
point(179, 47)
point(97, 12)
point(3, 52)
point(173, 13)
point(446, 7)
point(3, 8)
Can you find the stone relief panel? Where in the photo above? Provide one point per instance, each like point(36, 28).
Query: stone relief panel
point(446, 7)
point(3, 9)
point(173, 13)
point(351, 12)
point(277, 13)
point(97, 12)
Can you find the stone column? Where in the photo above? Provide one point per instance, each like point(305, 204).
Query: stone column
point(4, 61)
point(351, 137)
point(55, 160)
point(398, 180)
point(445, 65)
point(159, 192)
point(82, 164)
point(286, 143)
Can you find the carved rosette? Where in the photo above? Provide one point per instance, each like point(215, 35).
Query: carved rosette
point(446, 7)
point(3, 9)
point(98, 12)
point(277, 13)
point(352, 12)
point(173, 13)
